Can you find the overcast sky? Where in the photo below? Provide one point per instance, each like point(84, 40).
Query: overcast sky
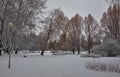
point(82, 7)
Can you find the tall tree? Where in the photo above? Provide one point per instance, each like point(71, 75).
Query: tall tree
point(90, 27)
point(113, 1)
point(75, 32)
point(6, 9)
point(20, 13)
point(53, 25)
point(110, 20)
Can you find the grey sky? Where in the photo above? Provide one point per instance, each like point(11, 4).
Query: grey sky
point(82, 7)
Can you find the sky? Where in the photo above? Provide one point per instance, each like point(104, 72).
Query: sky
point(82, 7)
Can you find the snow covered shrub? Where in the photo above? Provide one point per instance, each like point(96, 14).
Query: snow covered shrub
point(100, 66)
point(109, 47)
point(58, 53)
point(86, 54)
point(90, 55)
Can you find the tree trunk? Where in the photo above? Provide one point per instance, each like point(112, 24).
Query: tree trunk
point(42, 53)
point(78, 50)
point(0, 48)
point(109, 54)
point(16, 51)
point(1, 31)
point(0, 52)
point(89, 43)
point(7, 51)
point(73, 50)
point(0, 45)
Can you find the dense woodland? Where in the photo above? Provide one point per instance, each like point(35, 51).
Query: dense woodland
point(25, 25)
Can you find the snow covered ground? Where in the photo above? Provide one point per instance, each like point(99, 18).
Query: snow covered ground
point(51, 66)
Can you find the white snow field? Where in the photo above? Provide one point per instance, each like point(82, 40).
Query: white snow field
point(51, 66)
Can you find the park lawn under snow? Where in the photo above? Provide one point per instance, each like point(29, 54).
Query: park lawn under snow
point(51, 66)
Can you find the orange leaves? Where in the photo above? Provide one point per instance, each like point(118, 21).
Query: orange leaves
point(111, 19)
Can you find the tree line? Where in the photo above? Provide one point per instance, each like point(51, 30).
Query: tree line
point(19, 20)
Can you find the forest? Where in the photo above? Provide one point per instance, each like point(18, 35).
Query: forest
point(26, 25)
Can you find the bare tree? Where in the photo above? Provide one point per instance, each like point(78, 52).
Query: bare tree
point(20, 13)
point(7, 9)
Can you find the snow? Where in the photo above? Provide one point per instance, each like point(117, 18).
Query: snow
point(84, 52)
point(51, 66)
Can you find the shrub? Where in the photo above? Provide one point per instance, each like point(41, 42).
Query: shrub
point(90, 55)
point(110, 47)
point(100, 66)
